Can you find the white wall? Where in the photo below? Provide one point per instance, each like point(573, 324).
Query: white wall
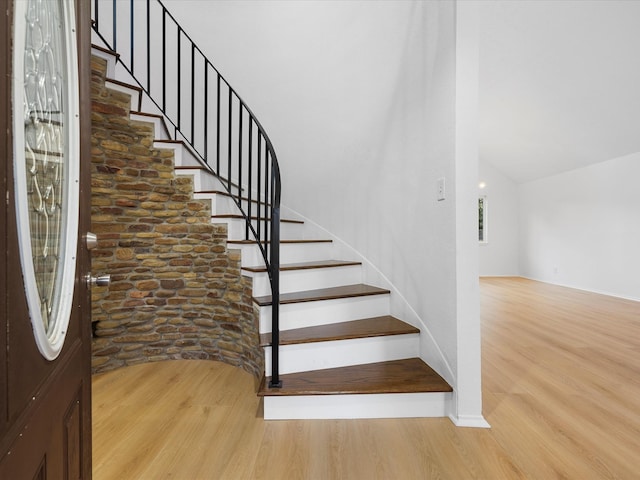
point(358, 98)
point(582, 228)
point(499, 257)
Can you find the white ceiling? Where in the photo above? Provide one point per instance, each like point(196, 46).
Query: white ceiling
point(559, 84)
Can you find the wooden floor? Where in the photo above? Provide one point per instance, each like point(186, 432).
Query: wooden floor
point(561, 390)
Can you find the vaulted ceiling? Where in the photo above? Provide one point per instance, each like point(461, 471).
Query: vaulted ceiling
point(559, 84)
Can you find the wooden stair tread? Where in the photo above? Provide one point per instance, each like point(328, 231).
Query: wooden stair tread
point(227, 194)
point(236, 216)
point(105, 50)
point(171, 141)
point(305, 265)
point(293, 240)
point(130, 86)
point(365, 328)
point(411, 375)
point(147, 114)
point(190, 167)
point(346, 291)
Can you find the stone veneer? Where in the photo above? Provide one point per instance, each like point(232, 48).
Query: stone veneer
point(176, 291)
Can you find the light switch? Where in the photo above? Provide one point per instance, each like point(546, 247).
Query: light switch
point(441, 189)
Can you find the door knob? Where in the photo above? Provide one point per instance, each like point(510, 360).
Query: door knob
point(99, 281)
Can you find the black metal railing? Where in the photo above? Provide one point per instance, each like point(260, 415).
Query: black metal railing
point(208, 114)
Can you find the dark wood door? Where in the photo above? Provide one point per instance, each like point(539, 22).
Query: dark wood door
point(45, 403)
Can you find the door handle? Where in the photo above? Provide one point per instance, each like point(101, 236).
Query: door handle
point(99, 281)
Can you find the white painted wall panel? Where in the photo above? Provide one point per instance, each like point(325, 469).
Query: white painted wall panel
point(582, 228)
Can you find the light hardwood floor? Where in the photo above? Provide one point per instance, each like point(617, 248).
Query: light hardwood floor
point(561, 390)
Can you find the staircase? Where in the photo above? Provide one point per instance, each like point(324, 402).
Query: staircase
point(342, 354)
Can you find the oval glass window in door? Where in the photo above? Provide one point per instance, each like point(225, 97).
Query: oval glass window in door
point(46, 163)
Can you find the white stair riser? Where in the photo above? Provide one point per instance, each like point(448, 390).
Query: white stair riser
point(325, 312)
point(390, 405)
point(236, 229)
point(307, 279)
point(342, 353)
point(289, 253)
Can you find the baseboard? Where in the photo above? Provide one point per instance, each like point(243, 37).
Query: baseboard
point(582, 289)
point(471, 421)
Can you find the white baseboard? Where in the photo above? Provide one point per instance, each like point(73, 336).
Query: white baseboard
point(472, 421)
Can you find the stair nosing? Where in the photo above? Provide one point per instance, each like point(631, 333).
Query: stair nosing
point(130, 86)
point(105, 50)
point(168, 140)
point(189, 167)
point(147, 114)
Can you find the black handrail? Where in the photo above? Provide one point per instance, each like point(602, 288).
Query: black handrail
point(166, 59)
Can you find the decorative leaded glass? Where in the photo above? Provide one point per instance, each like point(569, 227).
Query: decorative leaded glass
point(46, 160)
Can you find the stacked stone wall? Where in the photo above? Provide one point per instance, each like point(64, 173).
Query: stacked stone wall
point(176, 291)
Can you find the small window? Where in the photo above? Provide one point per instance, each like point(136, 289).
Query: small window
point(482, 219)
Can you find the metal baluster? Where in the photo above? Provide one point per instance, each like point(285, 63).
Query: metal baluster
point(230, 110)
point(178, 65)
point(148, 47)
point(266, 198)
point(115, 35)
point(164, 60)
point(218, 130)
point(259, 183)
point(206, 111)
point(274, 275)
point(240, 152)
point(131, 45)
point(96, 11)
point(193, 89)
point(250, 174)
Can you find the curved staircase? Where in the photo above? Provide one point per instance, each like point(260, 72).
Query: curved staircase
point(342, 353)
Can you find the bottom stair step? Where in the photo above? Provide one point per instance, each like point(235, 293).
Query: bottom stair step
point(399, 376)
point(396, 389)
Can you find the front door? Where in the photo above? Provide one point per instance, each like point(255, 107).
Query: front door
point(45, 325)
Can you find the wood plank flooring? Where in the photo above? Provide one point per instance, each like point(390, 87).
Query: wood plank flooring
point(561, 390)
